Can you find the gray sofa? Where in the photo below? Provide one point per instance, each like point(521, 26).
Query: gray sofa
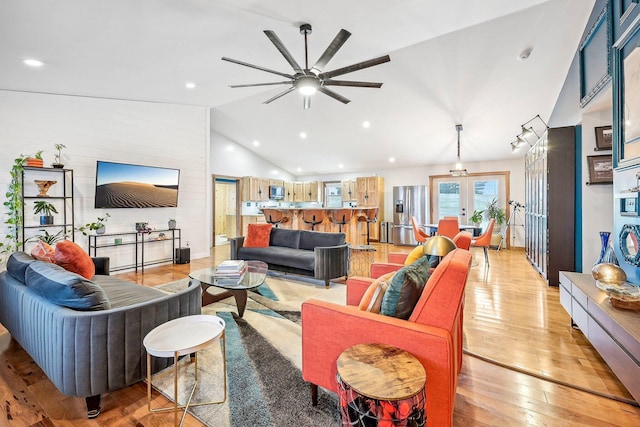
point(324, 256)
point(86, 335)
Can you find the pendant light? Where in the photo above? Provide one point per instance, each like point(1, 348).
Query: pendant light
point(459, 170)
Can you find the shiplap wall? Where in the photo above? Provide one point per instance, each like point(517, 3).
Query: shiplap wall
point(153, 134)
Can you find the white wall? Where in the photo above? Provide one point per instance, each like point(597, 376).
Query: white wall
point(231, 159)
point(597, 200)
point(93, 129)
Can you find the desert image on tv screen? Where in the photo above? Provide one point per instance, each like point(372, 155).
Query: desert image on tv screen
point(120, 185)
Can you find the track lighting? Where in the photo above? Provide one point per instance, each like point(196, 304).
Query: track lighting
point(527, 132)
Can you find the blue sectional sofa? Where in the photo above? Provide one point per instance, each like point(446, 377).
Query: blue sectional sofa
point(86, 335)
point(324, 256)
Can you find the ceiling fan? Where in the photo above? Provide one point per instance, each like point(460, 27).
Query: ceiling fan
point(309, 80)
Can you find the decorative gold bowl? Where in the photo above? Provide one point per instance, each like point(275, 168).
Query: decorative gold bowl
point(609, 273)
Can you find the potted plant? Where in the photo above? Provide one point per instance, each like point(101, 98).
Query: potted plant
point(35, 160)
point(57, 160)
point(476, 218)
point(46, 210)
point(499, 214)
point(50, 239)
point(172, 223)
point(98, 226)
point(13, 203)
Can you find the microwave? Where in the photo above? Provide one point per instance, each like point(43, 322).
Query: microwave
point(276, 192)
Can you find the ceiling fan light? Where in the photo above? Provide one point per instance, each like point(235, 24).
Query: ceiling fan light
point(307, 85)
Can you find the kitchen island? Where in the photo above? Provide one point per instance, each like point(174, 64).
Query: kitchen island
point(355, 228)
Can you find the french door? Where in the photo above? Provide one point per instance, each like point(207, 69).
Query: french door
point(460, 195)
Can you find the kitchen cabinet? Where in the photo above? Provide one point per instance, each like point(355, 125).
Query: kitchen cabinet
point(255, 189)
point(370, 191)
point(311, 191)
point(298, 191)
point(349, 190)
point(288, 191)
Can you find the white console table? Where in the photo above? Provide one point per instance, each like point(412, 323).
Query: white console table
point(614, 333)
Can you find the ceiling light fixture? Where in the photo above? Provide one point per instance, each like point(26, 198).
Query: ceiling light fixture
point(459, 170)
point(366, 124)
point(256, 143)
point(392, 159)
point(190, 85)
point(32, 62)
point(527, 131)
point(303, 135)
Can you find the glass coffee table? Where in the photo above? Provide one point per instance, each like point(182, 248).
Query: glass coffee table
point(254, 277)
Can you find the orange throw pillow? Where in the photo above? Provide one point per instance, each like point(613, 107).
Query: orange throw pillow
point(44, 252)
point(258, 236)
point(372, 298)
point(73, 258)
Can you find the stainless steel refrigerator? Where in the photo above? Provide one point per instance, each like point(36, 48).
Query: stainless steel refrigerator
point(408, 201)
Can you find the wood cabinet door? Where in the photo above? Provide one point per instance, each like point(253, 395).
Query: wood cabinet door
point(348, 190)
point(263, 189)
point(288, 191)
point(298, 192)
point(311, 191)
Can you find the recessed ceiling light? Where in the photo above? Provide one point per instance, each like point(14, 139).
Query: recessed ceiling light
point(230, 148)
point(190, 85)
point(275, 172)
point(340, 166)
point(392, 159)
point(256, 143)
point(303, 135)
point(299, 169)
point(366, 124)
point(32, 62)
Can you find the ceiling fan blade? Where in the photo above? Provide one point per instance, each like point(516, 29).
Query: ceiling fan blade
point(355, 67)
point(306, 102)
point(331, 50)
point(334, 95)
point(279, 95)
point(263, 84)
point(283, 50)
point(257, 67)
point(351, 83)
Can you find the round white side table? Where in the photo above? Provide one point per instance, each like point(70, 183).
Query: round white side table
point(178, 337)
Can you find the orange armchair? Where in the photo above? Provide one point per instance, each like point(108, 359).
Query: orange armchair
point(448, 226)
point(433, 334)
point(484, 240)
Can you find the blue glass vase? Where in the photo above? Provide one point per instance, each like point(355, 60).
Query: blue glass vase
point(607, 254)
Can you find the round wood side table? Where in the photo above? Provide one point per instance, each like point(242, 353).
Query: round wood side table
point(380, 383)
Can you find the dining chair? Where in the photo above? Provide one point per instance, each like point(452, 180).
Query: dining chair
point(448, 226)
point(484, 240)
point(419, 235)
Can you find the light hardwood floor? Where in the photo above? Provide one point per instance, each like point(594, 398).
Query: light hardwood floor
point(511, 316)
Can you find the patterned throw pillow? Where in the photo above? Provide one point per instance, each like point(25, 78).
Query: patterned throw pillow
point(372, 298)
point(72, 257)
point(405, 289)
point(257, 236)
point(43, 251)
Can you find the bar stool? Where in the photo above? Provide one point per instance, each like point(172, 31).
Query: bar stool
point(274, 216)
point(368, 216)
point(313, 217)
point(340, 217)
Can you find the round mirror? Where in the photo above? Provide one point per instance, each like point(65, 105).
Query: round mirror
point(629, 238)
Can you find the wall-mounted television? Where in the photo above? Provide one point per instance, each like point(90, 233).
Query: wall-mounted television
point(123, 185)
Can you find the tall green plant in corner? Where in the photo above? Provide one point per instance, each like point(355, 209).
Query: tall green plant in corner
point(13, 204)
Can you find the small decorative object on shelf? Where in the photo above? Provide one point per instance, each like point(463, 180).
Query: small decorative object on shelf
point(43, 186)
point(609, 273)
point(35, 161)
point(143, 227)
point(607, 254)
point(623, 295)
point(57, 160)
point(46, 209)
point(172, 223)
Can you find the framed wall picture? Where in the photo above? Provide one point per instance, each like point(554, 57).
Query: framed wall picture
point(600, 169)
point(604, 138)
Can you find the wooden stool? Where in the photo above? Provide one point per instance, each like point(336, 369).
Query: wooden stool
point(274, 216)
point(313, 217)
point(340, 217)
point(368, 216)
point(378, 382)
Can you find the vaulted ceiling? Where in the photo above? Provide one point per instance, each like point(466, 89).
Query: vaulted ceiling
point(451, 62)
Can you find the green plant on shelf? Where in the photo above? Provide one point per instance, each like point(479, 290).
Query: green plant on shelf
point(49, 238)
point(13, 203)
point(45, 208)
point(57, 159)
point(94, 226)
